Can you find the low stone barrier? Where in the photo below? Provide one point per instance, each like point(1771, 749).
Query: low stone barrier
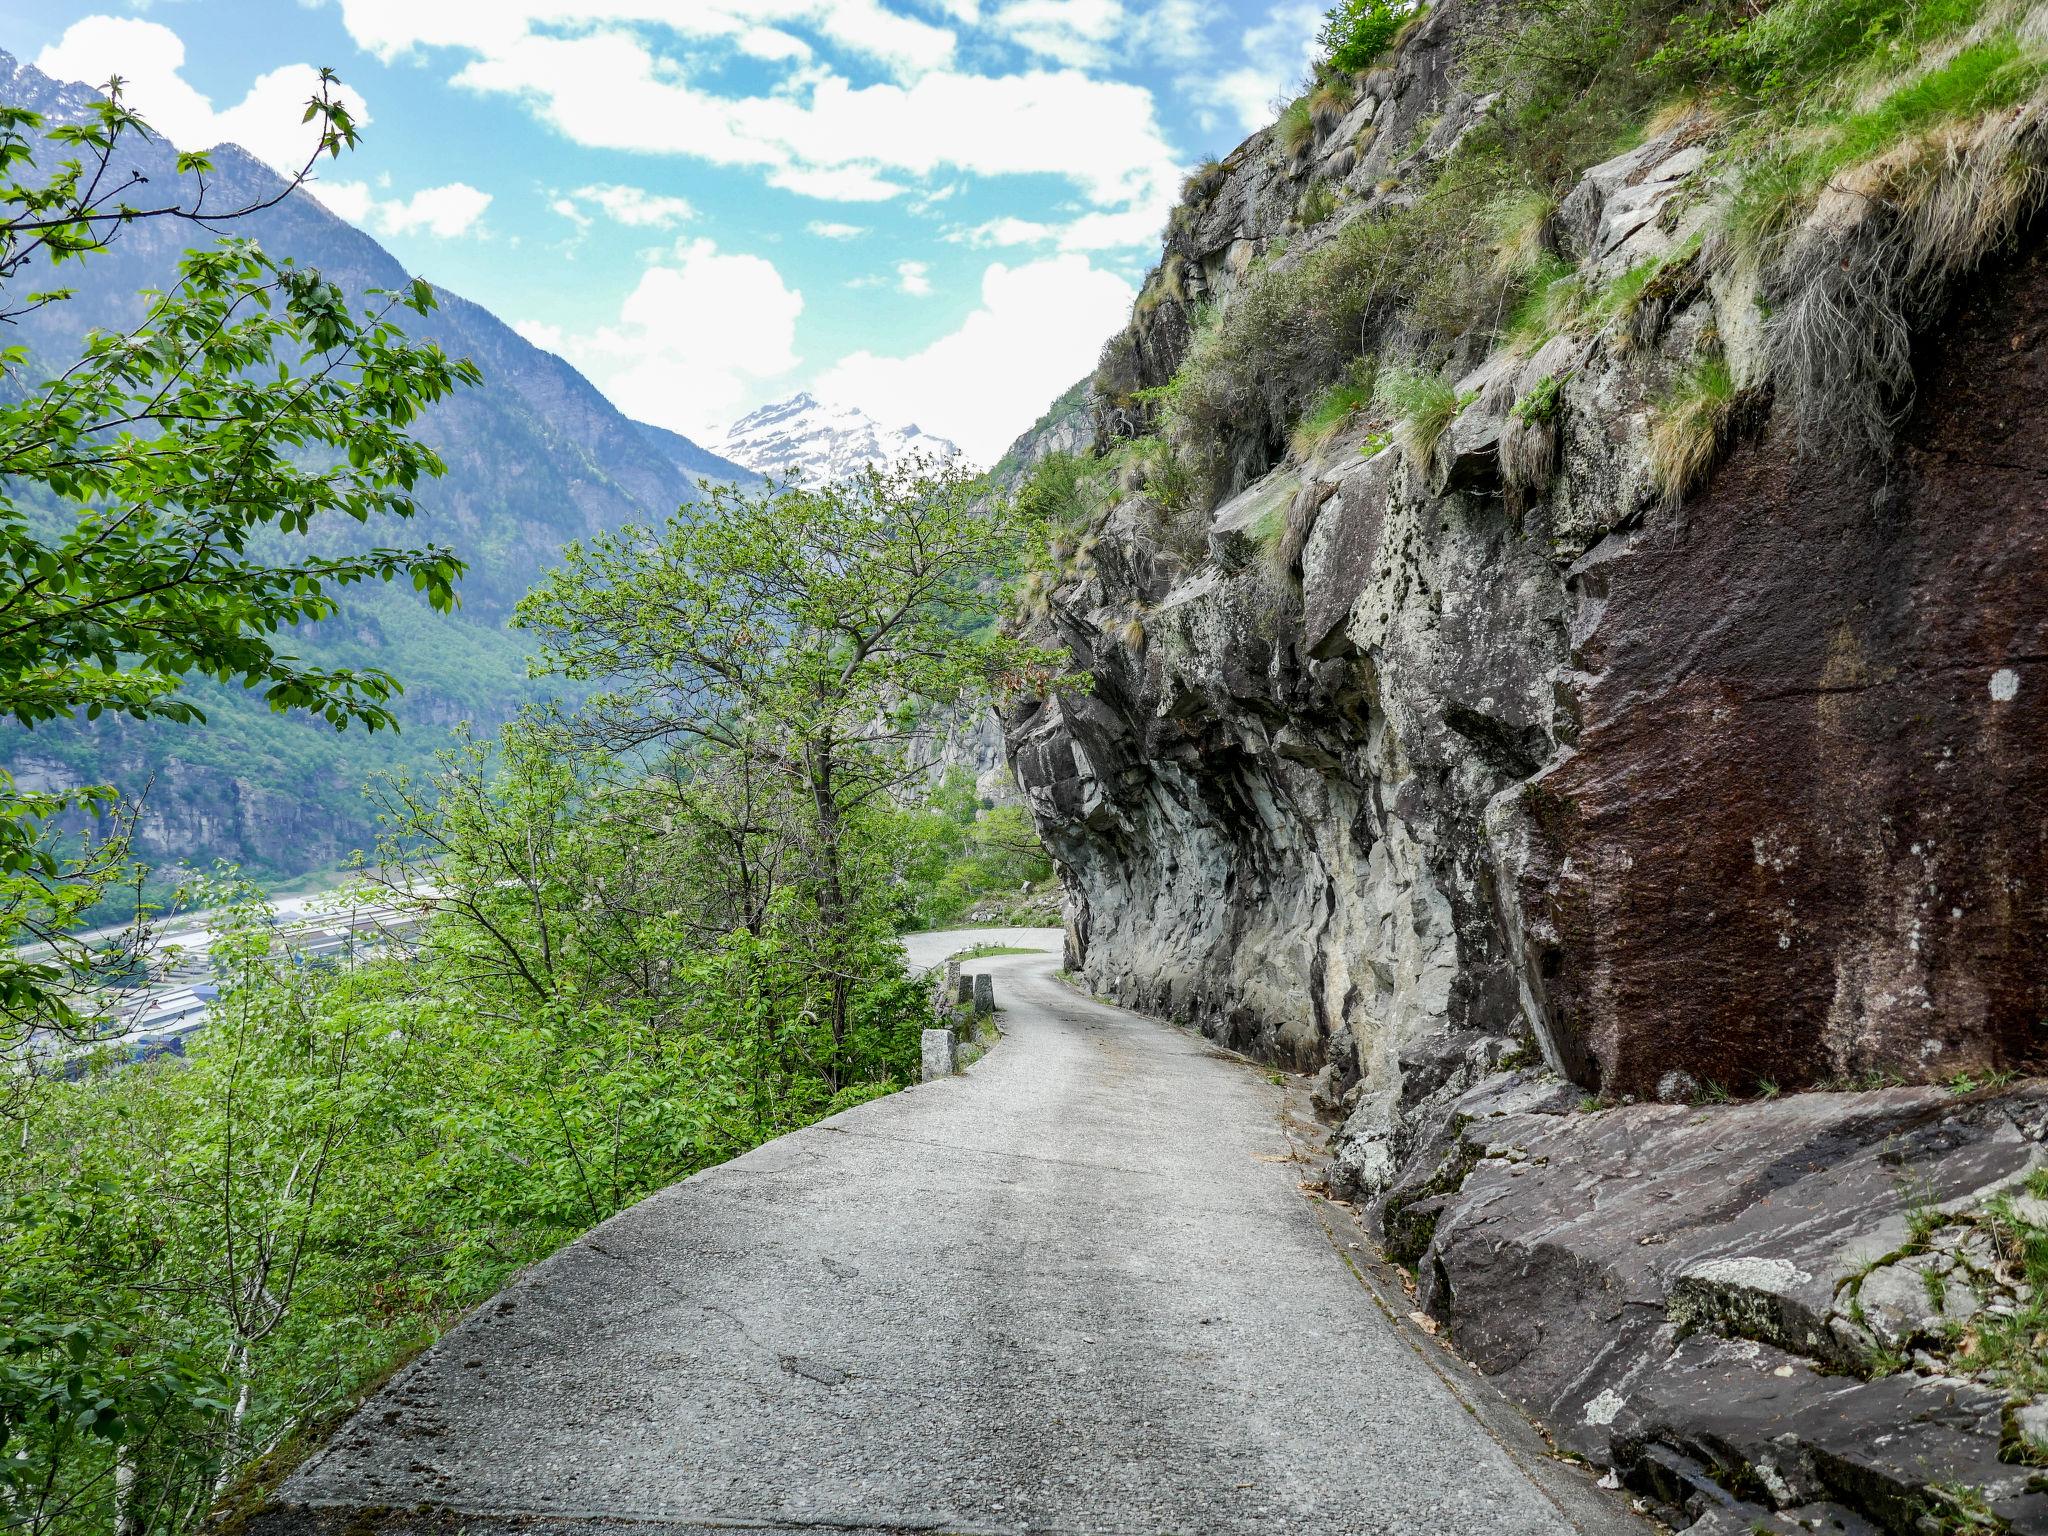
point(941, 1053)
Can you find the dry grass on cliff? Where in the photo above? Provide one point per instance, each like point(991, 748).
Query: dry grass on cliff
point(1423, 405)
point(1691, 428)
point(1882, 246)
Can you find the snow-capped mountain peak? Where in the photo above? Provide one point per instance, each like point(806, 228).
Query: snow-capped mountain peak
point(805, 438)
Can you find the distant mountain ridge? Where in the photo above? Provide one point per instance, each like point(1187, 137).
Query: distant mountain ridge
point(536, 456)
point(805, 438)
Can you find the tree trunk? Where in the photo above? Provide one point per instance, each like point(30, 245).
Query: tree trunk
point(831, 902)
point(128, 1519)
point(238, 1365)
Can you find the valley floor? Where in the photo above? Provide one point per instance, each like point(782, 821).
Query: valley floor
point(1076, 1289)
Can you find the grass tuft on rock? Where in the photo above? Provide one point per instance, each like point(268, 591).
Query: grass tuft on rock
point(1423, 405)
point(1335, 408)
point(1691, 428)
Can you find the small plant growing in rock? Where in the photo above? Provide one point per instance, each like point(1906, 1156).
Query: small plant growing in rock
point(1544, 400)
point(1553, 302)
point(1692, 428)
point(1959, 1509)
point(1336, 408)
point(1317, 204)
point(1296, 130)
point(1202, 182)
point(1423, 405)
point(1334, 95)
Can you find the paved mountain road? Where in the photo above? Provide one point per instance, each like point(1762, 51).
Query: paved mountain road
point(1075, 1290)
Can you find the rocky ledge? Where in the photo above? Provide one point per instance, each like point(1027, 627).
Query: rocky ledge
point(1818, 1306)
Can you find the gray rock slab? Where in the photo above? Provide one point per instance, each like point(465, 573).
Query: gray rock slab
point(1805, 1437)
point(1076, 1289)
point(1577, 1243)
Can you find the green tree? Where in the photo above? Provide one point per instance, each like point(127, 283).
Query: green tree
point(1356, 32)
point(806, 632)
point(155, 486)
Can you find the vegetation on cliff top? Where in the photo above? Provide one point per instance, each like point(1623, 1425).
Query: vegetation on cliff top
point(1927, 112)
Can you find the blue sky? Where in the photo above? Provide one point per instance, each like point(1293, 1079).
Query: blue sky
point(933, 209)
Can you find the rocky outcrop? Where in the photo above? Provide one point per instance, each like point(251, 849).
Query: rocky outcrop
point(1797, 830)
point(1718, 1300)
point(1427, 760)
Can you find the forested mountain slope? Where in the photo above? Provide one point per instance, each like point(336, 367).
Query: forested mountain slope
point(536, 457)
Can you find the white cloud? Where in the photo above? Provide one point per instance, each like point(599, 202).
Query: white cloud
point(1005, 231)
point(548, 337)
point(607, 75)
point(825, 230)
point(443, 212)
point(1277, 54)
point(914, 278)
point(693, 339)
point(149, 57)
point(1073, 32)
point(861, 28)
point(1038, 328)
point(634, 207)
point(773, 44)
point(1092, 34)
point(842, 184)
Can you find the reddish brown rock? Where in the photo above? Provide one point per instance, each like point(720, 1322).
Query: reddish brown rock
point(1804, 833)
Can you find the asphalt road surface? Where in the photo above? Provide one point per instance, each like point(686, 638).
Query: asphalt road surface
point(1076, 1289)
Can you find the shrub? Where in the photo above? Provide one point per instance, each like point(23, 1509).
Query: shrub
point(1317, 204)
point(1357, 32)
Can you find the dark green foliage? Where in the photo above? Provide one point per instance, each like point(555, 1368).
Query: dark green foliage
point(1543, 401)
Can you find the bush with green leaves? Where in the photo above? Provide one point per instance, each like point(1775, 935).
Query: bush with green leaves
point(1357, 33)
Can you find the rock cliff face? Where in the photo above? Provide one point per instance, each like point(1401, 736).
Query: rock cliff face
point(1743, 788)
point(1504, 776)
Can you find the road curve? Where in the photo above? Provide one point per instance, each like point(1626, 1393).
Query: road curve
point(1076, 1289)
